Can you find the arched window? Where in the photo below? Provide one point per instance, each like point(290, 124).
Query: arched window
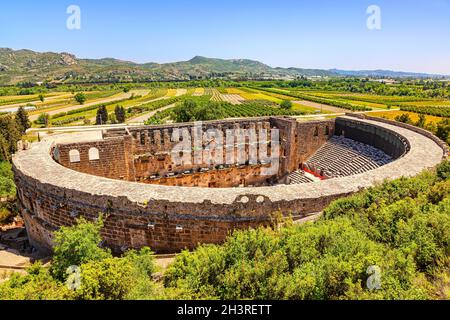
point(327, 131)
point(74, 156)
point(316, 132)
point(93, 154)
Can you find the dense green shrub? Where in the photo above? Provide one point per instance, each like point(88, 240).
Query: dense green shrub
point(102, 277)
point(7, 186)
point(325, 260)
point(193, 110)
point(38, 284)
point(77, 245)
point(402, 227)
point(443, 171)
point(286, 104)
point(105, 279)
point(80, 97)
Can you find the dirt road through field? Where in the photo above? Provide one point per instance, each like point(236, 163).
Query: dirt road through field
point(320, 106)
point(144, 117)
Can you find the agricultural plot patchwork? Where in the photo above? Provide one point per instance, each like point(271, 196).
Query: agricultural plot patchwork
point(255, 110)
point(375, 101)
point(223, 110)
point(142, 112)
point(232, 98)
point(87, 113)
point(428, 106)
point(76, 107)
point(214, 93)
point(14, 100)
point(301, 106)
point(198, 92)
point(36, 103)
point(248, 94)
point(239, 101)
point(176, 92)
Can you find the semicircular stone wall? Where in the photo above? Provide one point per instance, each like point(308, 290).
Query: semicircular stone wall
point(57, 185)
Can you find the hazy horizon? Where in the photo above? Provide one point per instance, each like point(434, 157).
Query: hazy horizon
point(304, 34)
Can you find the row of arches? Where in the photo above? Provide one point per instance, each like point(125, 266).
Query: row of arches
point(74, 155)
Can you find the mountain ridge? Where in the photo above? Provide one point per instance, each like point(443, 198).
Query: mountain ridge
point(25, 65)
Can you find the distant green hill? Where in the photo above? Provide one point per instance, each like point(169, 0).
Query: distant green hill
point(29, 66)
point(26, 65)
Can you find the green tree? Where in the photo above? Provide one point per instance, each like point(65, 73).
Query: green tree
point(405, 118)
point(41, 98)
point(192, 110)
point(105, 279)
point(421, 122)
point(286, 105)
point(7, 186)
point(10, 132)
point(37, 284)
point(43, 119)
point(77, 245)
point(443, 130)
point(443, 171)
point(102, 115)
point(112, 118)
point(22, 120)
point(102, 276)
point(119, 111)
point(80, 97)
point(4, 149)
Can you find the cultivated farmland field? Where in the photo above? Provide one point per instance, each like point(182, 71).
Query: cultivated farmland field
point(198, 92)
point(391, 115)
point(247, 99)
point(214, 93)
point(232, 98)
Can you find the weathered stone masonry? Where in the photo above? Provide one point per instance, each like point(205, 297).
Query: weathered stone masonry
point(169, 218)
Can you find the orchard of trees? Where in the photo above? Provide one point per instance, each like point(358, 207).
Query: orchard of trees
point(202, 109)
point(403, 87)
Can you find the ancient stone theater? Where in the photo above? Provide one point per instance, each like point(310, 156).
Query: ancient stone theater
point(151, 189)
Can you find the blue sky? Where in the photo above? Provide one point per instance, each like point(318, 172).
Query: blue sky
point(414, 35)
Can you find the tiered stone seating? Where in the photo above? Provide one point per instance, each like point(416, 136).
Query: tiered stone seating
point(341, 157)
point(298, 177)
